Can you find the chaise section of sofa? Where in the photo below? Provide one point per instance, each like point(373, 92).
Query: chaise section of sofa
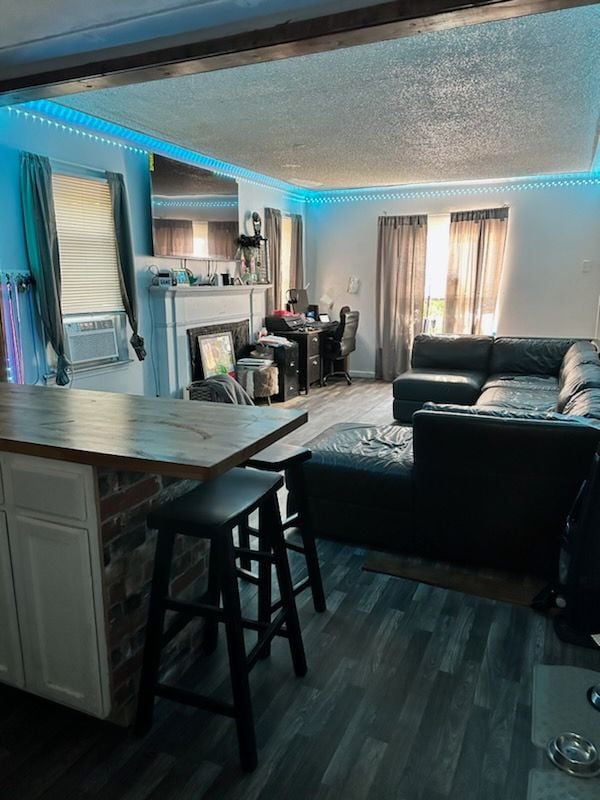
point(483, 488)
point(360, 484)
point(488, 484)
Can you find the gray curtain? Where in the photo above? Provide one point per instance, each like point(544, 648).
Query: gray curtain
point(400, 291)
point(222, 238)
point(41, 241)
point(273, 237)
point(173, 237)
point(125, 260)
point(296, 254)
point(477, 242)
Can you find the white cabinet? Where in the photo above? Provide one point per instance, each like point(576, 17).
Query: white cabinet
point(53, 582)
point(11, 662)
point(51, 555)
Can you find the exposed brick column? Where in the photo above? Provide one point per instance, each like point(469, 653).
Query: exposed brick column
point(128, 551)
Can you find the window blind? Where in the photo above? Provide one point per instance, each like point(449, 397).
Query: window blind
point(86, 243)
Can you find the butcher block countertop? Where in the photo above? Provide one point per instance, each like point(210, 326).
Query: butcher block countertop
point(181, 438)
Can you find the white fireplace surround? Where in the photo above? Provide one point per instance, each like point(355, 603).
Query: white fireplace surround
point(178, 308)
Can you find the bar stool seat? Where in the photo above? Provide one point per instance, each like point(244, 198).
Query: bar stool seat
point(219, 503)
point(211, 512)
point(281, 457)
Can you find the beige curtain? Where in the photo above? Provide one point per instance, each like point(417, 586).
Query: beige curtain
point(477, 242)
point(296, 254)
point(173, 237)
point(400, 291)
point(273, 237)
point(222, 238)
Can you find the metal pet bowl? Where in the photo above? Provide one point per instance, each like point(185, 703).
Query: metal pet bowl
point(574, 754)
point(594, 696)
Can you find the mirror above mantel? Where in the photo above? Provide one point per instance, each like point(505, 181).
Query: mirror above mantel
point(194, 211)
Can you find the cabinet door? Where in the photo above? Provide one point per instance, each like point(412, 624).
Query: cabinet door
point(11, 663)
point(54, 589)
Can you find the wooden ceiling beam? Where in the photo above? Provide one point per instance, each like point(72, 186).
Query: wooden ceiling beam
point(169, 56)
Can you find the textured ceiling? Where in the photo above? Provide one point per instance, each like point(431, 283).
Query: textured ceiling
point(501, 99)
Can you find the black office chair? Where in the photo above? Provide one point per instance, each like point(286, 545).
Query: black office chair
point(338, 346)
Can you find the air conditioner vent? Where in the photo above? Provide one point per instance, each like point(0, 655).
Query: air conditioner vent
point(91, 340)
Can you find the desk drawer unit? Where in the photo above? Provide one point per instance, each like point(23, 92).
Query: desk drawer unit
point(313, 355)
point(309, 356)
point(287, 360)
point(313, 344)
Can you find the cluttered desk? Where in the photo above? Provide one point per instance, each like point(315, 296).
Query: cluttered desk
point(299, 315)
point(301, 323)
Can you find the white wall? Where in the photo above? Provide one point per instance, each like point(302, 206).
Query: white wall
point(543, 292)
point(19, 133)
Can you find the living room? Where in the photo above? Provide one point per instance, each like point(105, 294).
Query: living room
point(486, 113)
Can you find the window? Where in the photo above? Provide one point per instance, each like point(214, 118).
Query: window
point(86, 244)
point(90, 297)
point(465, 252)
point(200, 239)
point(285, 259)
point(436, 272)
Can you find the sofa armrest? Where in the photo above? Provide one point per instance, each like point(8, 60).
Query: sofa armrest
point(496, 491)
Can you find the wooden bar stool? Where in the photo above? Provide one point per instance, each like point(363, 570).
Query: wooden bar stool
point(289, 458)
point(212, 511)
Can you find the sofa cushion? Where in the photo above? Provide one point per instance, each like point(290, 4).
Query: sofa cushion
point(462, 353)
point(519, 398)
point(523, 356)
point(579, 353)
point(584, 404)
point(431, 384)
point(532, 382)
point(363, 461)
point(576, 379)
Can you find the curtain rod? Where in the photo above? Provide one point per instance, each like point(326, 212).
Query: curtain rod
point(78, 168)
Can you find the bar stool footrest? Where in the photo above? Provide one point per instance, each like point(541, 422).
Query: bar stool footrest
point(275, 628)
point(202, 701)
point(297, 588)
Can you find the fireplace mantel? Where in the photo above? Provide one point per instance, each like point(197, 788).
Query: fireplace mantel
point(175, 309)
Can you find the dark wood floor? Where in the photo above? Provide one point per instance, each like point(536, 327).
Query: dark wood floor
point(413, 693)
point(364, 401)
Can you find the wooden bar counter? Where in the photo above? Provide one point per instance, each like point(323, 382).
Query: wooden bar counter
point(79, 472)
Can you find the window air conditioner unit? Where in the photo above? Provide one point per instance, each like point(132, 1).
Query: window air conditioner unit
point(90, 340)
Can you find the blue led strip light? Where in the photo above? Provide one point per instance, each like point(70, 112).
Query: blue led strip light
point(78, 123)
point(23, 111)
point(109, 133)
point(194, 203)
point(457, 189)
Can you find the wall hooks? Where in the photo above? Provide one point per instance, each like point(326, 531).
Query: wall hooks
point(23, 281)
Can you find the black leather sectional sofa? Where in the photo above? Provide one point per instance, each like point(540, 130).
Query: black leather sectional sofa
point(503, 432)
